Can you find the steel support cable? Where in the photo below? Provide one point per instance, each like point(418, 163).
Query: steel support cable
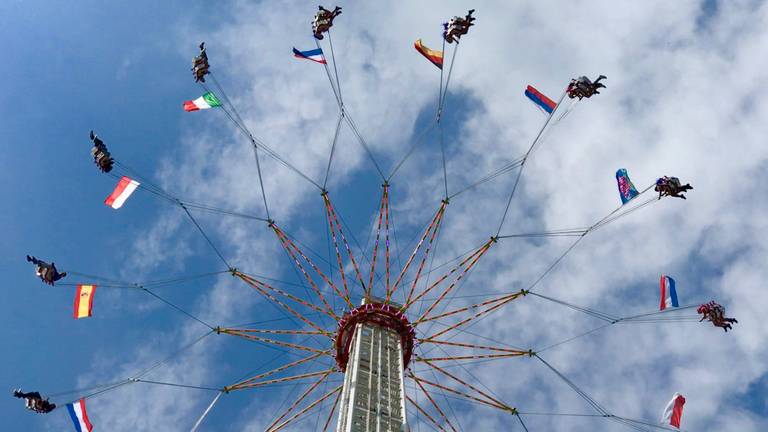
point(162, 194)
point(353, 236)
point(207, 239)
point(170, 384)
point(336, 87)
point(522, 423)
point(442, 152)
point(473, 307)
point(460, 330)
point(442, 391)
point(424, 413)
point(160, 282)
point(336, 95)
point(330, 414)
point(430, 232)
point(274, 371)
point(261, 288)
point(333, 149)
point(600, 327)
point(339, 261)
point(256, 143)
point(475, 258)
point(89, 276)
point(178, 202)
point(447, 82)
point(250, 137)
point(177, 308)
point(301, 398)
point(387, 267)
point(573, 245)
point(594, 313)
point(334, 219)
point(291, 248)
point(335, 70)
point(494, 400)
point(273, 342)
point(434, 242)
point(146, 184)
point(491, 176)
point(467, 320)
point(269, 320)
point(522, 163)
point(296, 272)
point(103, 388)
point(432, 401)
point(411, 149)
point(314, 360)
point(376, 242)
point(306, 409)
point(450, 298)
point(224, 212)
point(365, 145)
point(596, 406)
point(440, 93)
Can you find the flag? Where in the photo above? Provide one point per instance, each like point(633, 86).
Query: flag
point(123, 190)
point(540, 99)
point(673, 412)
point(436, 57)
point(208, 100)
point(316, 55)
point(84, 300)
point(79, 416)
point(627, 190)
point(668, 293)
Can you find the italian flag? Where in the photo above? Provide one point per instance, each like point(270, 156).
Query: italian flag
point(208, 100)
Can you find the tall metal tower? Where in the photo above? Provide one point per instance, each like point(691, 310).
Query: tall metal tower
point(373, 347)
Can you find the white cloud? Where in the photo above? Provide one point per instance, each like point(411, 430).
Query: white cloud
point(681, 100)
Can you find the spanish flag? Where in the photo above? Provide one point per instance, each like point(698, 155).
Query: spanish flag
point(436, 57)
point(84, 300)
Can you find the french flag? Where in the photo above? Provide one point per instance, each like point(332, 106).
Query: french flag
point(79, 416)
point(673, 412)
point(668, 293)
point(540, 99)
point(316, 55)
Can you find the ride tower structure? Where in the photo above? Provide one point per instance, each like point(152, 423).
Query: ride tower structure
point(374, 345)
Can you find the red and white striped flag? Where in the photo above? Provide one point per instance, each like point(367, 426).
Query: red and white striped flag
point(123, 190)
point(673, 412)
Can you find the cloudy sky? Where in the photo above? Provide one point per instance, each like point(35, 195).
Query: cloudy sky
point(682, 99)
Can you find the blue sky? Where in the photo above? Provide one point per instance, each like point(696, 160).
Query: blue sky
point(123, 70)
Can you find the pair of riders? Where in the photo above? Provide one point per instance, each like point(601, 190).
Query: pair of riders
point(324, 21)
point(35, 402)
point(583, 87)
point(101, 156)
point(200, 65)
point(715, 313)
point(671, 186)
point(46, 272)
point(457, 27)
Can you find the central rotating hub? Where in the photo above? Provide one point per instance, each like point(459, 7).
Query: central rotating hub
point(376, 313)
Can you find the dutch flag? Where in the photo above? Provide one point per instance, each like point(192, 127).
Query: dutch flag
point(316, 55)
point(79, 416)
point(668, 293)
